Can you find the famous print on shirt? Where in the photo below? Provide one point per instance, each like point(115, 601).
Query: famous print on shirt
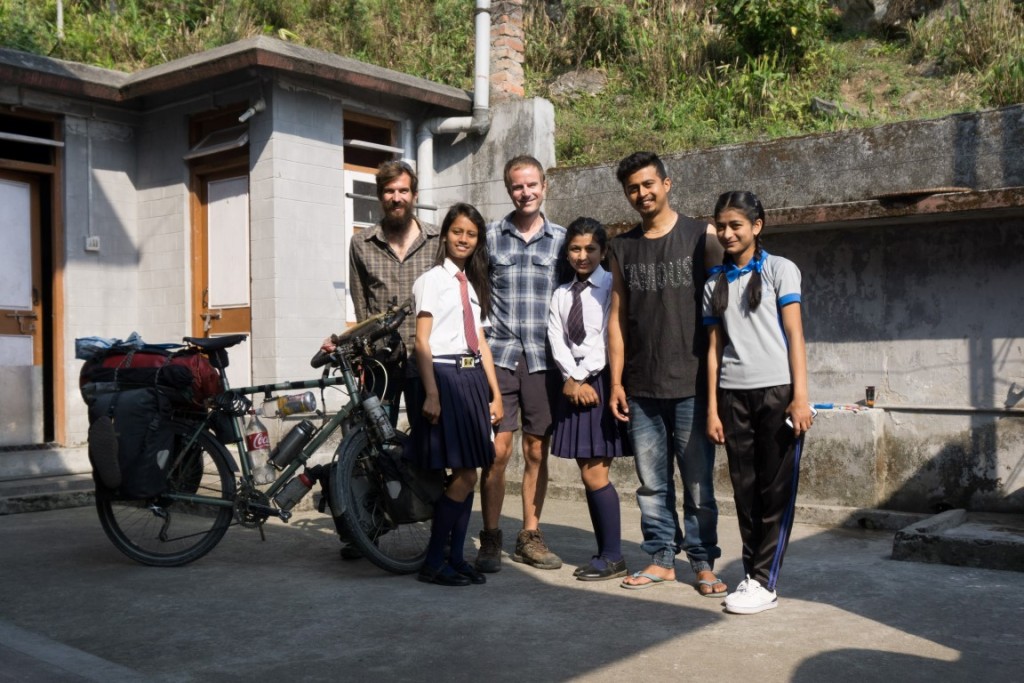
point(665, 342)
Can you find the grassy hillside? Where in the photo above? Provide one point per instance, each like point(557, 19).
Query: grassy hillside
point(662, 74)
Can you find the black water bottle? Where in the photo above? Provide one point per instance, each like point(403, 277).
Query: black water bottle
point(293, 491)
point(292, 444)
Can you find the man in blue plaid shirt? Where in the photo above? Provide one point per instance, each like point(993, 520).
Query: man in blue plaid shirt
point(523, 248)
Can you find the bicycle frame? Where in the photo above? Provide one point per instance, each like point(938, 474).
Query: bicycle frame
point(347, 378)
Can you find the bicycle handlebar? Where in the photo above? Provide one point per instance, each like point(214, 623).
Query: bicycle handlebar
point(321, 359)
point(360, 337)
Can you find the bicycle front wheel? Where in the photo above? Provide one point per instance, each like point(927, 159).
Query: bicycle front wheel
point(359, 488)
point(166, 531)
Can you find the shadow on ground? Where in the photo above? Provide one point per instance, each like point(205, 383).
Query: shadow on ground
point(291, 609)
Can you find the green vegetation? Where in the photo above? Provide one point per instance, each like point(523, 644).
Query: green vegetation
point(678, 74)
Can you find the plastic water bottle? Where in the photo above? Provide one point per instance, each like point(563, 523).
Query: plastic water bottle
point(282, 406)
point(257, 442)
point(378, 418)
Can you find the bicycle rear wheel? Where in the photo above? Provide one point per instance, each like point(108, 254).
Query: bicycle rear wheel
point(357, 485)
point(167, 532)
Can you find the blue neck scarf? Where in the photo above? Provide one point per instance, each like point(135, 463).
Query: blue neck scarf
point(732, 273)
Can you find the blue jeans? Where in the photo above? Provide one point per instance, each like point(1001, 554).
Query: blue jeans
point(665, 432)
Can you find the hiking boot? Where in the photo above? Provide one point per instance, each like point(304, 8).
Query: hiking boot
point(532, 550)
point(488, 560)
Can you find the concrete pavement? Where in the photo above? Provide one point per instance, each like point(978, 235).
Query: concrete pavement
point(72, 608)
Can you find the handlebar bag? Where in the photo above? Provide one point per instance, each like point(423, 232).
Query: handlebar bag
point(134, 424)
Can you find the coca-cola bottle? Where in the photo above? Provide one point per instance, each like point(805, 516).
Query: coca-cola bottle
point(257, 442)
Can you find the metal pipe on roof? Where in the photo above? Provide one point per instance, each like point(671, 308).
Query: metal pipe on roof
point(479, 122)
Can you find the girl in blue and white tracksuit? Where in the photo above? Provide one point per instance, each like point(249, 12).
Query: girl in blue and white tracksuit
point(757, 380)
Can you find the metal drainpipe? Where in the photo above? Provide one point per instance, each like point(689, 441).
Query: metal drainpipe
point(479, 122)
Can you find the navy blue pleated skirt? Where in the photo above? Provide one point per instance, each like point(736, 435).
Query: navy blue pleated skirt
point(462, 436)
point(589, 432)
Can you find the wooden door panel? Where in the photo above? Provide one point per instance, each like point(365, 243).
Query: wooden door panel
point(21, 313)
point(221, 278)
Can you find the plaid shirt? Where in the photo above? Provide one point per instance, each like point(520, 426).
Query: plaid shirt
point(376, 276)
point(523, 276)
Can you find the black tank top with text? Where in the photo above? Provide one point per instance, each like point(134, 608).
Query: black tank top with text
point(666, 344)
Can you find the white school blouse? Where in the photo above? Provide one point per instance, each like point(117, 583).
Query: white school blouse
point(437, 292)
point(589, 358)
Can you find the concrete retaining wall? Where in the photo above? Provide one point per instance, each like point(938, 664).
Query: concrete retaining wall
point(927, 310)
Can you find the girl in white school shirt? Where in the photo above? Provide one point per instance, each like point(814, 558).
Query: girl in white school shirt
point(462, 400)
point(584, 426)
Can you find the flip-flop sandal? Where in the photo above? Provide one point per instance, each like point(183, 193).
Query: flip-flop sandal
point(651, 578)
point(711, 584)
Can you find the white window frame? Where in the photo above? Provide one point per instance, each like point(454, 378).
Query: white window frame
point(353, 176)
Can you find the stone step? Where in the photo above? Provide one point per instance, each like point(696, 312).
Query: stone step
point(985, 540)
point(34, 494)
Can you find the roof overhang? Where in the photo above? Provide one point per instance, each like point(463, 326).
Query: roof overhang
point(35, 72)
point(923, 206)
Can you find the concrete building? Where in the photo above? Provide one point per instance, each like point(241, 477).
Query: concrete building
point(214, 194)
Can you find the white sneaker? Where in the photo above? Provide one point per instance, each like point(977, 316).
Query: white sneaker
point(750, 598)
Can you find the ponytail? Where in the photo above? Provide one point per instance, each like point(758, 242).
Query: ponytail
point(720, 299)
point(754, 286)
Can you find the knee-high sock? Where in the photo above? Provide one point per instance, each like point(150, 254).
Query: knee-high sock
point(446, 515)
point(595, 520)
point(608, 525)
point(458, 537)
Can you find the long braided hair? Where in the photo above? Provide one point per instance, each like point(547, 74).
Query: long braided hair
point(750, 206)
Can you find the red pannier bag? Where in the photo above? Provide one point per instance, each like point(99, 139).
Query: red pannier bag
point(206, 381)
point(166, 369)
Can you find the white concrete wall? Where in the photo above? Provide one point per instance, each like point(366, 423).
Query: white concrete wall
point(470, 169)
point(298, 203)
point(100, 289)
point(164, 227)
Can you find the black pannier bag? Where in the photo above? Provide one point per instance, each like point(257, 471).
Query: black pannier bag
point(134, 424)
point(412, 491)
point(409, 492)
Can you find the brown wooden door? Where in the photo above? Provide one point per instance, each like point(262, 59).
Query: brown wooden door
point(221, 292)
point(22, 415)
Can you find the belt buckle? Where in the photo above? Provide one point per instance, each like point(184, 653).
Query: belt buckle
point(467, 362)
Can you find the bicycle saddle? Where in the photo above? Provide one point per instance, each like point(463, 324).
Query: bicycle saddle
point(216, 343)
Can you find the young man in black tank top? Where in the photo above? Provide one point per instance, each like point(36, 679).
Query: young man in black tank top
point(656, 347)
